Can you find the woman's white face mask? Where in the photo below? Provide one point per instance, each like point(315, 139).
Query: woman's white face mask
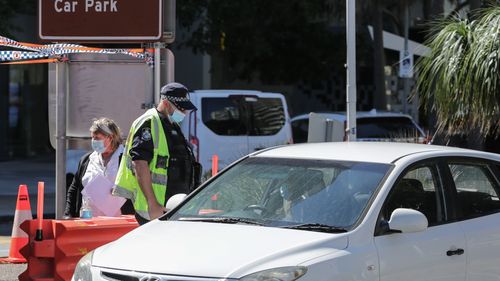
point(100, 143)
point(98, 146)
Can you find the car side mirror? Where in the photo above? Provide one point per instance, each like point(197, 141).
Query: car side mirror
point(175, 200)
point(407, 221)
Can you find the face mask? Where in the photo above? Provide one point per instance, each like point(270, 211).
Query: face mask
point(98, 146)
point(177, 116)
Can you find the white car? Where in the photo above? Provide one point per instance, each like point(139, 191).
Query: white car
point(324, 211)
point(371, 126)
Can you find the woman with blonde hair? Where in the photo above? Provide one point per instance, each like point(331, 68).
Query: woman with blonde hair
point(95, 177)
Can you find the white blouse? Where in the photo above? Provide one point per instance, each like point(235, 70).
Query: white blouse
point(97, 168)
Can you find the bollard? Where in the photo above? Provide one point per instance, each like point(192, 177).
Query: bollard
point(215, 164)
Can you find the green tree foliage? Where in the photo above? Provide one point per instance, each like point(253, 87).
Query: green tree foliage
point(8, 9)
point(273, 40)
point(460, 79)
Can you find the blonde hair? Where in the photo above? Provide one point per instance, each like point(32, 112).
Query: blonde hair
point(108, 128)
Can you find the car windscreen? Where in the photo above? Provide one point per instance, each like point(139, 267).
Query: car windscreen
point(286, 192)
point(387, 128)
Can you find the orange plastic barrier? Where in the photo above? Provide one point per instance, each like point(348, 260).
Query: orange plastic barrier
point(65, 242)
point(18, 238)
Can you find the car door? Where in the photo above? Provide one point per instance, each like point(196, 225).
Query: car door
point(427, 255)
point(478, 210)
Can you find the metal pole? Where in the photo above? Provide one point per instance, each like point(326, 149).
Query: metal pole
point(157, 72)
point(61, 91)
point(351, 70)
point(167, 69)
point(406, 80)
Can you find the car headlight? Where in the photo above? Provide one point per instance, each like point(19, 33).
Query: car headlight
point(82, 270)
point(277, 274)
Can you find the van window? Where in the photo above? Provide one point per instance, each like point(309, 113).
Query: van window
point(386, 127)
point(223, 116)
point(267, 116)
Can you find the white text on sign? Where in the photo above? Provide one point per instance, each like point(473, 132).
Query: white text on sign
point(62, 6)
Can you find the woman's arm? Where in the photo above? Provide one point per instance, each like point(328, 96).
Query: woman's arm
point(73, 196)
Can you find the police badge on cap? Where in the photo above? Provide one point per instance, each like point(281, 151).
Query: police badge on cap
point(177, 94)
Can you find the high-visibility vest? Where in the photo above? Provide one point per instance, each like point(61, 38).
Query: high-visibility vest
point(126, 184)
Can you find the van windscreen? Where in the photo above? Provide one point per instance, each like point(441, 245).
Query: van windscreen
point(387, 128)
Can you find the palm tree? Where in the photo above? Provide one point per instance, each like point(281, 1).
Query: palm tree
point(460, 79)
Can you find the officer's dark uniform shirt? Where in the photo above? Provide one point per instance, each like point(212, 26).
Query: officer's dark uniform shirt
point(180, 170)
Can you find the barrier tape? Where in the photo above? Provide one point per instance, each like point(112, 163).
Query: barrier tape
point(37, 53)
point(18, 55)
point(33, 61)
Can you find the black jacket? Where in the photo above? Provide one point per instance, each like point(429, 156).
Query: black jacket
point(74, 193)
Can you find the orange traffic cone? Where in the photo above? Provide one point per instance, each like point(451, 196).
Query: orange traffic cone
point(19, 238)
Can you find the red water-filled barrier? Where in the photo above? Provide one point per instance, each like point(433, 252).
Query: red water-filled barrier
point(64, 242)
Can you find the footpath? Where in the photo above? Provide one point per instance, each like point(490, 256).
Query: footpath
point(29, 172)
point(12, 174)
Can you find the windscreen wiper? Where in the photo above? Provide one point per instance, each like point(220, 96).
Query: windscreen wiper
point(223, 220)
point(316, 227)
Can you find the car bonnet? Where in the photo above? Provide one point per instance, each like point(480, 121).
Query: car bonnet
point(213, 249)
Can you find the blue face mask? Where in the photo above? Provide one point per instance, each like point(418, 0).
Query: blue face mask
point(177, 116)
point(98, 146)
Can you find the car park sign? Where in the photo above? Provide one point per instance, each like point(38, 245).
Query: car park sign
point(100, 20)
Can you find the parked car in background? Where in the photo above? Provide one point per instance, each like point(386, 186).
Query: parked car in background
point(234, 123)
point(371, 126)
point(324, 211)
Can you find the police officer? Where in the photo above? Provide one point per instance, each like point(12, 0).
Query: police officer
point(158, 162)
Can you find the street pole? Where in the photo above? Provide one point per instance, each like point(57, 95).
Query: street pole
point(157, 71)
point(406, 80)
point(62, 89)
point(351, 70)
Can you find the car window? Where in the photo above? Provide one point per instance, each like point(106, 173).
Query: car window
point(281, 192)
point(387, 128)
point(223, 116)
point(477, 191)
point(267, 116)
point(417, 189)
point(299, 130)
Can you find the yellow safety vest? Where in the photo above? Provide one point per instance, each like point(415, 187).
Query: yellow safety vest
point(126, 182)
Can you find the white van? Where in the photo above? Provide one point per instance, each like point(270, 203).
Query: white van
point(234, 123)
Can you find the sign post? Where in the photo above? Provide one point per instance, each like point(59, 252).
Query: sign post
point(100, 21)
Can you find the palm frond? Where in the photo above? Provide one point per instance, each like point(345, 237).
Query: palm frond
point(460, 79)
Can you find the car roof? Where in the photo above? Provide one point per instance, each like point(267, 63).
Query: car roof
point(215, 92)
point(341, 116)
point(375, 152)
